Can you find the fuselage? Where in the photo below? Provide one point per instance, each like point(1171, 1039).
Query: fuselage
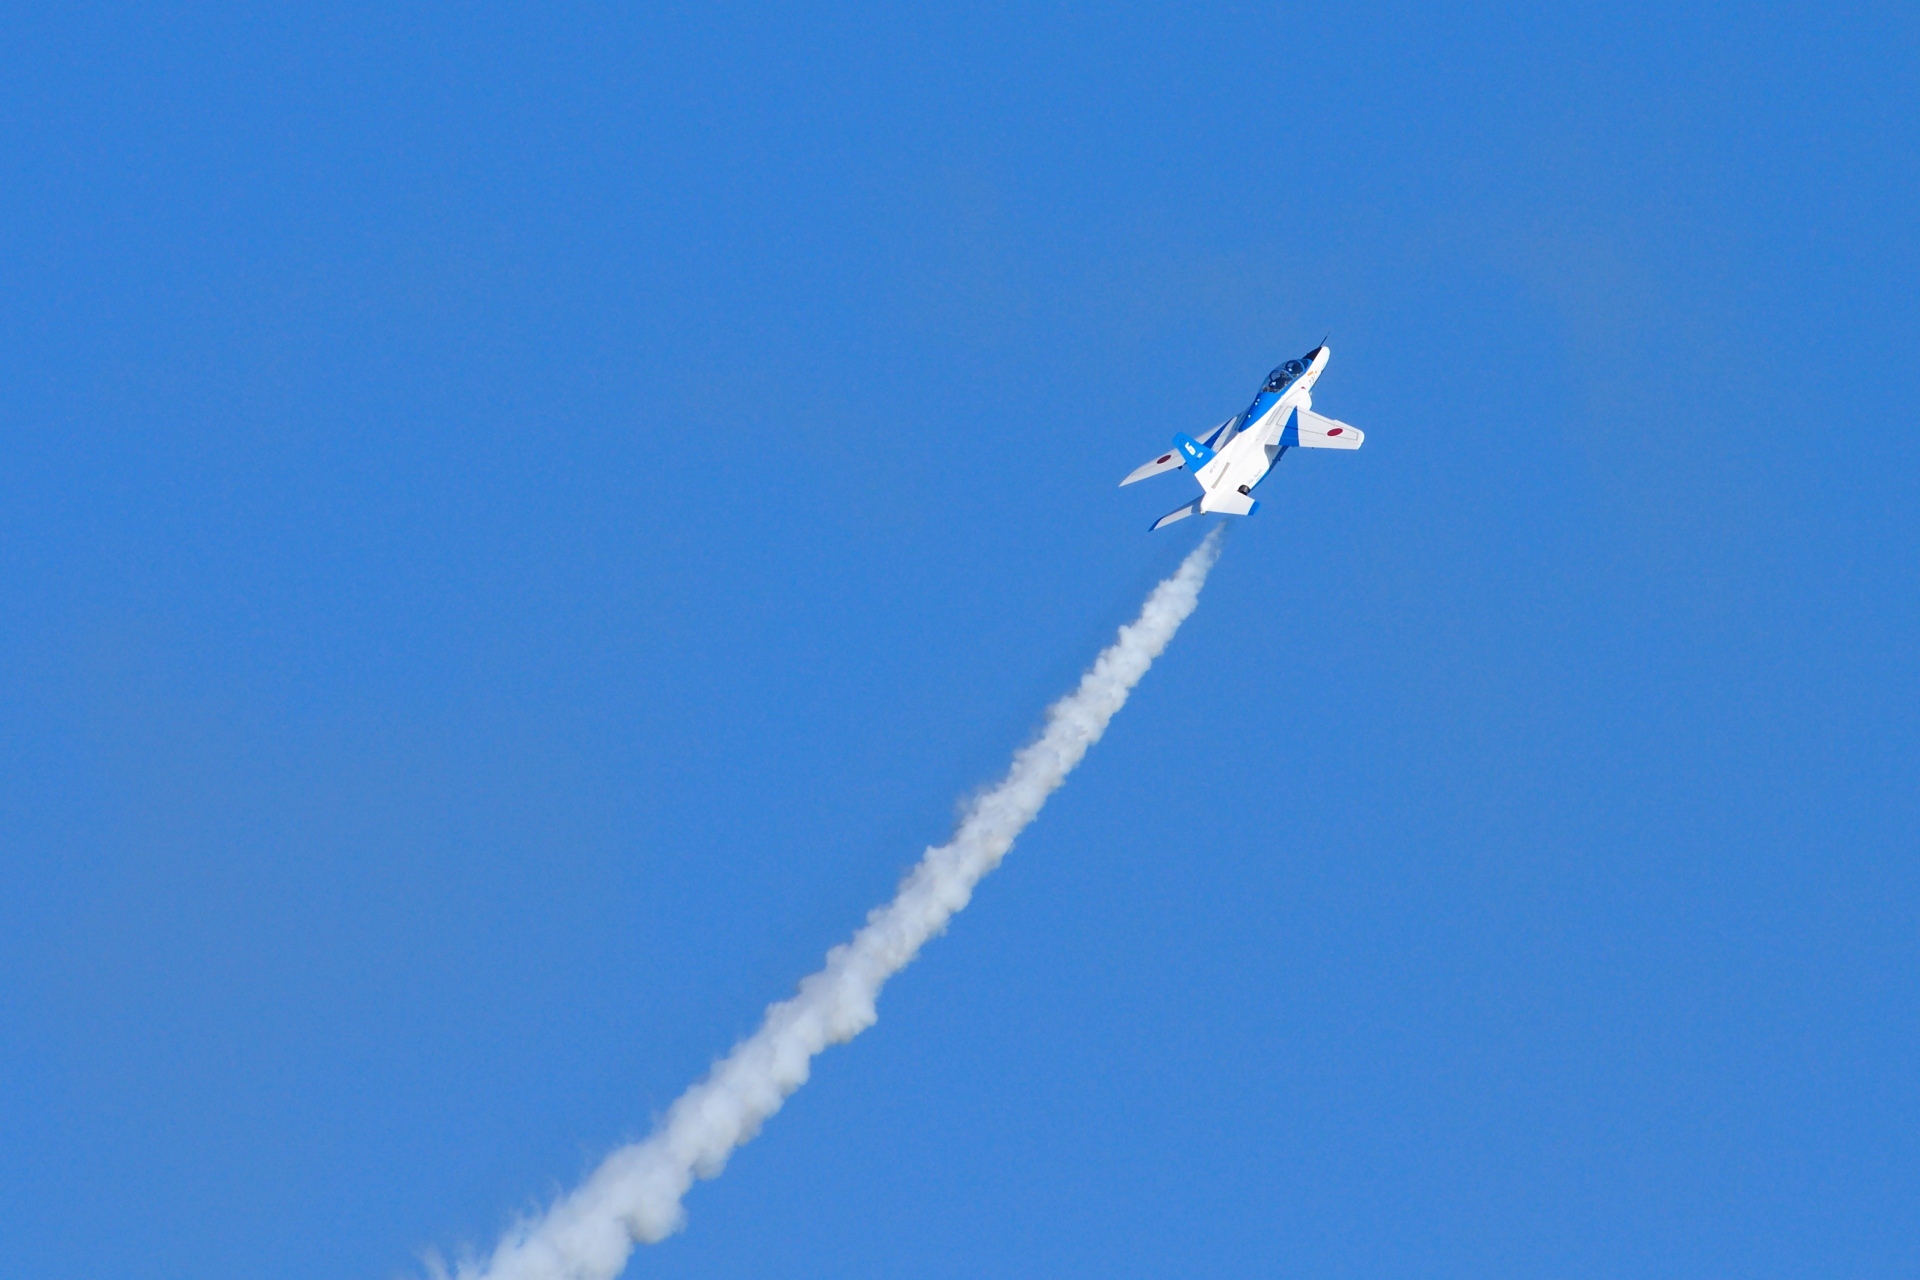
point(1235, 456)
point(1249, 445)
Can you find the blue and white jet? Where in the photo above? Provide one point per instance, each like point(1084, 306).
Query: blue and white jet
point(1233, 458)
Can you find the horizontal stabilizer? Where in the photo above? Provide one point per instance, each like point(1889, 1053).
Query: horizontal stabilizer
point(1165, 462)
point(1192, 508)
point(1228, 502)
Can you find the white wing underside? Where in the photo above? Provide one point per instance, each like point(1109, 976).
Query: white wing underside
point(1172, 461)
point(1318, 432)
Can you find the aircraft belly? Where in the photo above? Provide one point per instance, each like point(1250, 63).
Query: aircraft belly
point(1242, 464)
point(1247, 473)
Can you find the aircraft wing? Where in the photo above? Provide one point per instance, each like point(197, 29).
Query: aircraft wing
point(1173, 461)
point(1310, 430)
point(1215, 438)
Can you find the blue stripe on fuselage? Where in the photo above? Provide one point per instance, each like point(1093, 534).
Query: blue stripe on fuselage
point(1262, 402)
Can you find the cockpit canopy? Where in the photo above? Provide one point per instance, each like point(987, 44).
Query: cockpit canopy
point(1279, 378)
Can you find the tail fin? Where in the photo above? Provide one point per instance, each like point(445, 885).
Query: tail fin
point(1197, 454)
point(1187, 452)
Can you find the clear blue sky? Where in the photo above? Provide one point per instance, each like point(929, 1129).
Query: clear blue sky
point(518, 523)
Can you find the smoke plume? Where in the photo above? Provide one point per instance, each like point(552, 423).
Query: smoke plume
point(636, 1192)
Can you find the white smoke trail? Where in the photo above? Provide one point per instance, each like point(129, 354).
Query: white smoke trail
point(635, 1194)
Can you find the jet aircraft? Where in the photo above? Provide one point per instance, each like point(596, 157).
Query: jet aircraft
point(1233, 458)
